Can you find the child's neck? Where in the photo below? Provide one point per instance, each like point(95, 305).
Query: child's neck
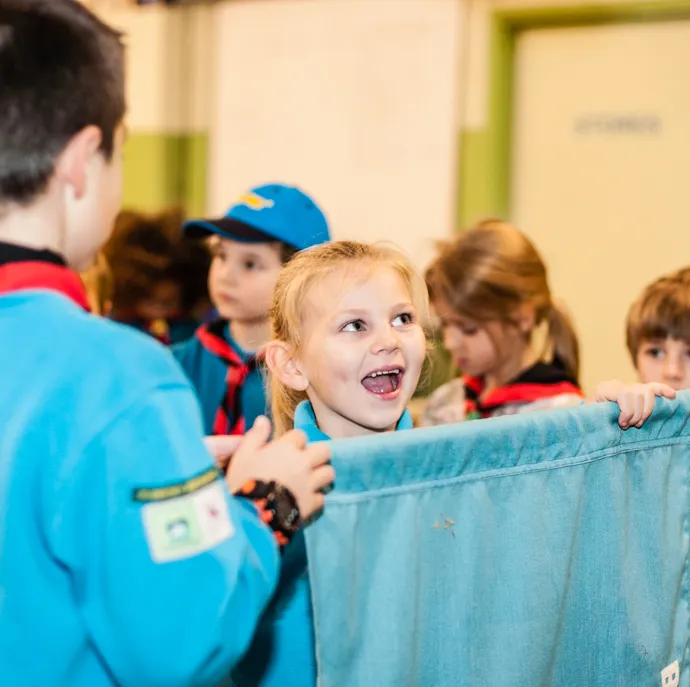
point(508, 370)
point(33, 226)
point(250, 336)
point(335, 426)
point(338, 431)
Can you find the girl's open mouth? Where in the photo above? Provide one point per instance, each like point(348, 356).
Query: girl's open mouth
point(385, 381)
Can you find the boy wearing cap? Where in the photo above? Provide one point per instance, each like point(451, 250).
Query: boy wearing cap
point(249, 245)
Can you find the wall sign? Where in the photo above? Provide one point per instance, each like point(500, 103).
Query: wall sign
point(617, 125)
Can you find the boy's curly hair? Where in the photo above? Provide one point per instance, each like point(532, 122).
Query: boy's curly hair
point(146, 250)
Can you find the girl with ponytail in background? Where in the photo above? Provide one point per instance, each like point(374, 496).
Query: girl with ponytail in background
point(490, 291)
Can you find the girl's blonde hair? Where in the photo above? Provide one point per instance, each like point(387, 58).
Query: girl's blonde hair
point(493, 269)
point(296, 282)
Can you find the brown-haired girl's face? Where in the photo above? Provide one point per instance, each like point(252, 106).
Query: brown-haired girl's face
point(477, 348)
point(362, 352)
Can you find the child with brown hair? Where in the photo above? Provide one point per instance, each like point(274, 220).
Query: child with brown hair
point(490, 290)
point(658, 331)
point(158, 275)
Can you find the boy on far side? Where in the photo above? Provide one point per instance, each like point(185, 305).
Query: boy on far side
point(658, 331)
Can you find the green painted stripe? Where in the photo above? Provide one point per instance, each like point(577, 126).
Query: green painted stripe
point(196, 166)
point(582, 15)
point(165, 169)
point(485, 154)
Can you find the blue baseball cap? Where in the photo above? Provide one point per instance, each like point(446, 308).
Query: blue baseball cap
point(274, 212)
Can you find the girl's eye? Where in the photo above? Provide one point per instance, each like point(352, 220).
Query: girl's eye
point(354, 326)
point(469, 332)
point(654, 352)
point(402, 319)
point(251, 265)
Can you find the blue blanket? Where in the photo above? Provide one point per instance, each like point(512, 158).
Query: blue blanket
point(544, 549)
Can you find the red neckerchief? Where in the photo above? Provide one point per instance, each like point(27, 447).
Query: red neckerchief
point(229, 418)
point(22, 276)
point(539, 382)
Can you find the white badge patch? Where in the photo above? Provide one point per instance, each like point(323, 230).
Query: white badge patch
point(187, 525)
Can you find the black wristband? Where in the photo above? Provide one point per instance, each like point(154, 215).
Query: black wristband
point(277, 507)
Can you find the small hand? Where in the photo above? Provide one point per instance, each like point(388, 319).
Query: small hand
point(636, 401)
point(289, 461)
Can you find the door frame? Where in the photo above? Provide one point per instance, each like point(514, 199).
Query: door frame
point(484, 182)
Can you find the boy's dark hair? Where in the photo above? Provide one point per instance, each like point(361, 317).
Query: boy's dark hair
point(189, 269)
point(662, 310)
point(286, 252)
point(61, 69)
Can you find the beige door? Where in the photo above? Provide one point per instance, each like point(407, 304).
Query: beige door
point(601, 170)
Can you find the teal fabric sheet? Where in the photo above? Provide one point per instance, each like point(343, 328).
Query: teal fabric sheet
point(543, 549)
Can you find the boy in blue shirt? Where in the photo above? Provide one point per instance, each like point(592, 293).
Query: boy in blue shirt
point(116, 529)
point(249, 246)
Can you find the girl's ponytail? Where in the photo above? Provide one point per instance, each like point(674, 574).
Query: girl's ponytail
point(563, 339)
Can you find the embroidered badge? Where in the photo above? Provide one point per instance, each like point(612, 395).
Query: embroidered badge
point(176, 489)
point(187, 525)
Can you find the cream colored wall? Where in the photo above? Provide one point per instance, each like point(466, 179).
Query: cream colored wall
point(356, 101)
point(169, 71)
point(169, 65)
point(477, 82)
point(608, 209)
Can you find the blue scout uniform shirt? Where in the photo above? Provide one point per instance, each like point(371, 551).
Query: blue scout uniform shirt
point(207, 373)
point(123, 557)
point(283, 652)
point(168, 332)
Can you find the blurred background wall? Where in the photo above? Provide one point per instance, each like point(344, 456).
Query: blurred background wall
point(410, 119)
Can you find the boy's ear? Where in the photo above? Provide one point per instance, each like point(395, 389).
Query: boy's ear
point(71, 166)
point(283, 363)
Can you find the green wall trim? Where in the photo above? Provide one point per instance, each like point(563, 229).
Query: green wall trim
point(196, 166)
point(161, 170)
point(485, 154)
point(583, 15)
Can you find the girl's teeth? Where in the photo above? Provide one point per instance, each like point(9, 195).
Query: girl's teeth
point(384, 372)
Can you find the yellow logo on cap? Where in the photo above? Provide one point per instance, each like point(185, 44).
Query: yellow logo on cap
point(255, 202)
